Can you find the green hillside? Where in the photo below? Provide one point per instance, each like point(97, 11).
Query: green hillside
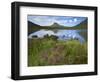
point(32, 27)
point(82, 25)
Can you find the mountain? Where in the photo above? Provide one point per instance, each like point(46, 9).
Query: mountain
point(56, 25)
point(32, 27)
point(30, 24)
point(82, 25)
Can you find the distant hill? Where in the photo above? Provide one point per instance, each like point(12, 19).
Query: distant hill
point(56, 25)
point(82, 25)
point(32, 27)
point(30, 24)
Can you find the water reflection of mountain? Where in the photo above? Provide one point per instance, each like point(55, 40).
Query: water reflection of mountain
point(61, 34)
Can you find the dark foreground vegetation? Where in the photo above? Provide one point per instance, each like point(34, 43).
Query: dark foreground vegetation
point(50, 51)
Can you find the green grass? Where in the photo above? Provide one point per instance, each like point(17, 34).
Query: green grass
point(49, 51)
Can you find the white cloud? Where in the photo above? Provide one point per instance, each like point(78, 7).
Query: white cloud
point(49, 20)
point(70, 21)
point(75, 19)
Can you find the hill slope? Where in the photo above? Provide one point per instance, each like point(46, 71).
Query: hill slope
point(82, 25)
point(56, 25)
point(32, 27)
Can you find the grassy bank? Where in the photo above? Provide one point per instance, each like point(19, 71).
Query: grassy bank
point(49, 51)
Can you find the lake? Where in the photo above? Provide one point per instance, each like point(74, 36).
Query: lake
point(62, 34)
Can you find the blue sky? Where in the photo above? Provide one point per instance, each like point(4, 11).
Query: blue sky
point(44, 20)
